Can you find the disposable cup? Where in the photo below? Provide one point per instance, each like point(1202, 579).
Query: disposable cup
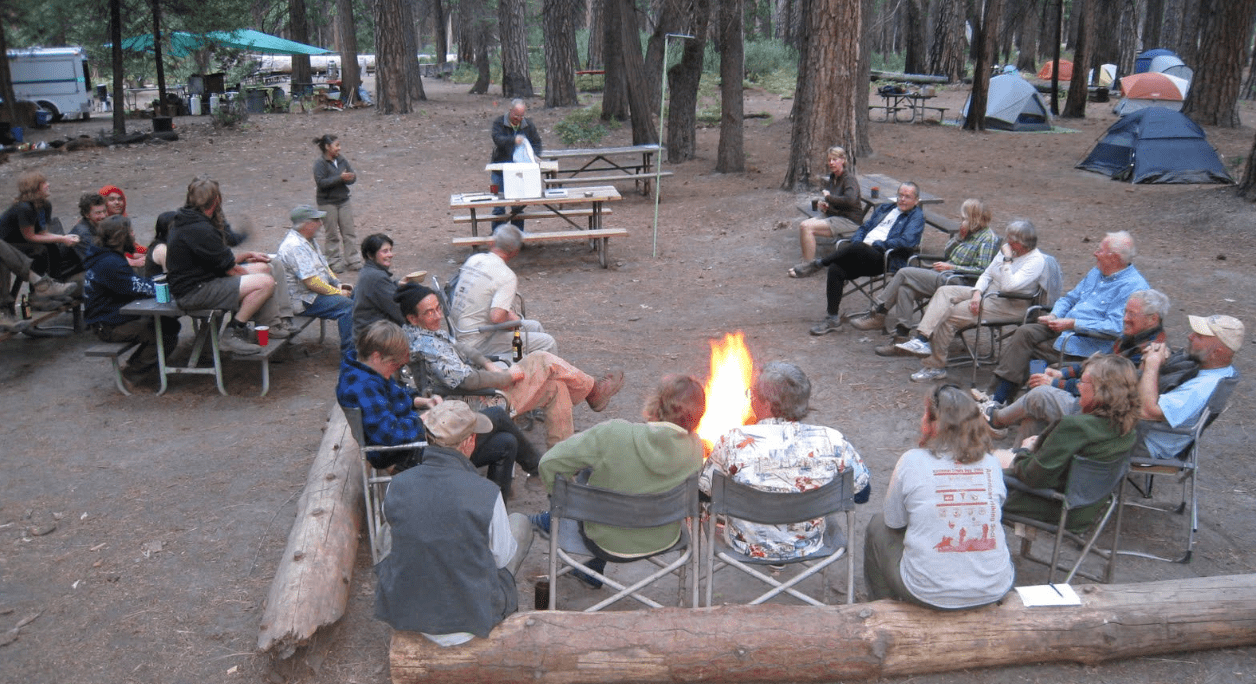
point(263, 335)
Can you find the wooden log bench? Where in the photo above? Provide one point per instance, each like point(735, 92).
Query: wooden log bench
point(599, 239)
point(112, 351)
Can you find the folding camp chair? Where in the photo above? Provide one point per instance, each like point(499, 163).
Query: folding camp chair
point(871, 286)
point(1184, 469)
point(736, 500)
point(573, 504)
point(374, 483)
point(1089, 482)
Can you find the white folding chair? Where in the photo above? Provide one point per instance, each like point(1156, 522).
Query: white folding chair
point(733, 499)
point(374, 484)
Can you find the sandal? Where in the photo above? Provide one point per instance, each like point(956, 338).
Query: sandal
point(804, 269)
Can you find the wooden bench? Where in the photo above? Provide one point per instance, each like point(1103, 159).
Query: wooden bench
point(942, 223)
point(887, 111)
point(636, 178)
point(940, 110)
point(111, 351)
point(568, 214)
point(599, 239)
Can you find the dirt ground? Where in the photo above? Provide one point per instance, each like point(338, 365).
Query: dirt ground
point(143, 531)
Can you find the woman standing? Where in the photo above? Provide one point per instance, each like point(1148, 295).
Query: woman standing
point(939, 543)
point(333, 176)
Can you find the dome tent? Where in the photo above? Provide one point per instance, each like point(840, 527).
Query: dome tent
point(1012, 104)
point(1156, 145)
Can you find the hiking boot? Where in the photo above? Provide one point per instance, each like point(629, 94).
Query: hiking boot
point(805, 269)
point(869, 321)
point(891, 349)
point(828, 325)
point(928, 374)
point(48, 288)
point(235, 340)
point(283, 329)
point(604, 389)
point(916, 347)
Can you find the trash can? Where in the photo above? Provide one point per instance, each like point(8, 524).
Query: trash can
point(43, 118)
point(256, 101)
point(163, 124)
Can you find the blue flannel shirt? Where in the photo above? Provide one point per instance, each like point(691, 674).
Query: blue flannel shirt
point(1097, 303)
point(388, 415)
point(904, 234)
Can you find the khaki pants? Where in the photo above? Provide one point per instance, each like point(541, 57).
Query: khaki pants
point(553, 385)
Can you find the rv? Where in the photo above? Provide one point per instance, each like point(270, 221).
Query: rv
point(57, 79)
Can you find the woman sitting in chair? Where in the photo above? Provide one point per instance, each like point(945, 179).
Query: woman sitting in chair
point(1104, 431)
point(939, 543)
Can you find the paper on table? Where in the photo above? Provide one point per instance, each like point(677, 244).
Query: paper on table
point(1048, 595)
point(555, 192)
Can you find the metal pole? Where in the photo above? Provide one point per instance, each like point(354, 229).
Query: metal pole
point(658, 162)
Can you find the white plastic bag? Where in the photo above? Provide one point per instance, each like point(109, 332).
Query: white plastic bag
point(523, 153)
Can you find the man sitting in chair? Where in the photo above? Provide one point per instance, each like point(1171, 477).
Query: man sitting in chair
point(541, 379)
point(1213, 342)
point(892, 226)
point(485, 294)
point(633, 458)
point(451, 572)
point(781, 454)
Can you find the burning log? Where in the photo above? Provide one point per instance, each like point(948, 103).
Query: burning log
point(849, 642)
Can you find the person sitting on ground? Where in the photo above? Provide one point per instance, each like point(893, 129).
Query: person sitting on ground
point(632, 458)
point(115, 200)
point(1097, 303)
point(91, 213)
point(1103, 432)
point(541, 379)
point(1019, 270)
point(1214, 341)
point(782, 454)
point(310, 280)
point(450, 573)
point(512, 130)
point(841, 210)
point(1053, 393)
point(29, 226)
point(205, 274)
point(967, 253)
point(46, 293)
point(485, 295)
point(373, 295)
point(111, 284)
point(155, 255)
point(390, 412)
point(938, 543)
point(892, 227)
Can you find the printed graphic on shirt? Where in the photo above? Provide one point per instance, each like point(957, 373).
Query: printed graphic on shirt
point(964, 502)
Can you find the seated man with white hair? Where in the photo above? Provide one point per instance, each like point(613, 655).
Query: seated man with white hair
point(485, 295)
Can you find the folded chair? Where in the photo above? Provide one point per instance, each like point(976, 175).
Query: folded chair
point(374, 484)
point(1184, 469)
point(733, 499)
point(1089, 482)
point(572, 504)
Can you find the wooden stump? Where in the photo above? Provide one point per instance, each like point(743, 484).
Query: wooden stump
point(311, 585)
point(771, 643)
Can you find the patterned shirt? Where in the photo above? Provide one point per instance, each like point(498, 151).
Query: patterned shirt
point(971, 254)
point(388, 415)
point(777, 455)
point(303, 259)
point(437, 349)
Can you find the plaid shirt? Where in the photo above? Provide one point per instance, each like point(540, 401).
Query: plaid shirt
point(388, 415)
point(972, 254)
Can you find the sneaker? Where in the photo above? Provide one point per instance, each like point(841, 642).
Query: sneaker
point(598, 565)
point(234, 340)
point(928, 374)
point(828, 325)
point(283, 329)
point(891, 350)
point(47, 287)
point(604, 389)
point(916, 347)
point(805, 269)
point(869, 321)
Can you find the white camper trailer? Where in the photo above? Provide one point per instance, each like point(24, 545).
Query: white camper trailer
point(57, 79)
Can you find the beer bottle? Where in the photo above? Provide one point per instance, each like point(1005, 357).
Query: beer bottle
point(517, 345)
point(26, 307)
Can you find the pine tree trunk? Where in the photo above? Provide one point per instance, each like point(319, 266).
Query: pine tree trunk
point(860, 88)
point(731, 154)
point(826, 99)
point(669, 19)
point(1247, 186)
point(559, 18)
point(1213, 98)
point(917, 53)
point(947, 56)
point(1128, 37)
point(683, 80)
point(593, 60)
point(516, 82)
point(6, 77)
point(1152, 22)
point(414, 75)
point(161, 67)
point(1188, 40)
point(1075, 106)
point(298, 28)
point(614, 83)
point(350, 76)
point(983, 37)
point(392, 83)
point(644, 131)
point(1030, 22)
point(119, 102)
point(440, 21)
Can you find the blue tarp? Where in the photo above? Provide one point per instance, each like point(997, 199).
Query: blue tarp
point(181, 43)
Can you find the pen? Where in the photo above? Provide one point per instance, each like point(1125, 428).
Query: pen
point(1057, 591)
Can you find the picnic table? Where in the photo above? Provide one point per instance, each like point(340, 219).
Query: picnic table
point(605, 165)
point(914, 104)
point(566, 204)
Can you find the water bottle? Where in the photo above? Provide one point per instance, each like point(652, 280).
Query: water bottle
point(517, 345)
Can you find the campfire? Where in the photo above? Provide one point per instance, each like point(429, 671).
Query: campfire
point(727, 403)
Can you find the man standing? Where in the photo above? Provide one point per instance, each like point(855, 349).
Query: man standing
point(510, 131)
point(892, 226)
point(1213, 342)
point(205, 274)
point(311, 281)
point(1097, 303)
point(781, 454)
point(485, 295)
point(451, 572)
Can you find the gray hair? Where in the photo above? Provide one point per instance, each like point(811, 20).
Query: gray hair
point(508, 239)
point(1022, 231)
point(517, 103)
point(785, 389)
point(1154, 302)
point(1122, 244)
point(911, 184)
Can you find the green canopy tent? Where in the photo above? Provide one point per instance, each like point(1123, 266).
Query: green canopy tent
point(182, 43)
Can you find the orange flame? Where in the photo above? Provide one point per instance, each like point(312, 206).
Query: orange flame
point(727, 405)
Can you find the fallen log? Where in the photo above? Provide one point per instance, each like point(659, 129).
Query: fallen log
point(773, 643)
point(908, 78)
point(311, 585)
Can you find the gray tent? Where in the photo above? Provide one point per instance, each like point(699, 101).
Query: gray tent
point(1012, 104)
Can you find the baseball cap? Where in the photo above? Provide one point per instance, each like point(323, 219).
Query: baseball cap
point(1228, 329)
point(305, 213)
point(452, 421)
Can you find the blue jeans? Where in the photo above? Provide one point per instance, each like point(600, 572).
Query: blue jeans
point(495, 178)
point(338, 307)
